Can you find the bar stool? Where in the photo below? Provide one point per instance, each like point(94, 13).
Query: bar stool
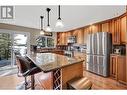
point(79, 84)
point(27, 68)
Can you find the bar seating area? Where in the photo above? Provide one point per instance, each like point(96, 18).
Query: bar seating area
point(27, 68)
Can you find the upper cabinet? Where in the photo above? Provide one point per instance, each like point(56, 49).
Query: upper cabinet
point(115, 30)
point(79, 35)
point(124, 29)
point(95, 28)
point(61, 38)
point(116, 26)
point(86, 31)
point(105, 27)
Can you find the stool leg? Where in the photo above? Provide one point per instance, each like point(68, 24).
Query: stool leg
point(32, 82)
point(25, 83)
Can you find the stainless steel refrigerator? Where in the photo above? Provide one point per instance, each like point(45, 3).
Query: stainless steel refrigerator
point(99, 47)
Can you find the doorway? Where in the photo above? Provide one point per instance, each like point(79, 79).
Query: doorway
point(11, 41)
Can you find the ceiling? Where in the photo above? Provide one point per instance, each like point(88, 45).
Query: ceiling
point(72, 16)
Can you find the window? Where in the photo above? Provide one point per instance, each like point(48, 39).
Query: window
point(50, 42)
point(41, 42)
point(45, 42)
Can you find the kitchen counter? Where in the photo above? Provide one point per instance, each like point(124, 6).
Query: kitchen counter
point(50, 61)
point(62, 68)
point(49, 50)
point(81, 55)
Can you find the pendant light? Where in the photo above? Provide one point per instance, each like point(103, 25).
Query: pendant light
point(59, 22)
point(48, 29)
point(42, 30)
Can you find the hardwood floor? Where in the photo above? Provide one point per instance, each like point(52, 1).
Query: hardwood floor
point(99, 82)
point(9, 82)
point(102, 83)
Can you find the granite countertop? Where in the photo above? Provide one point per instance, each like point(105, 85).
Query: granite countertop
point(50, 61)
point(49, 50)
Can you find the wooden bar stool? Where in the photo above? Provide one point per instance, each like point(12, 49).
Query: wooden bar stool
point(27, 68)
point(79, 84)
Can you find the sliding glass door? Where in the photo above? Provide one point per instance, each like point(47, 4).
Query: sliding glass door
point(5, 50)
point(20, 43)
point(10, 42)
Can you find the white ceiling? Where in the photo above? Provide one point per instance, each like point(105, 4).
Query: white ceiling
point(72, 16)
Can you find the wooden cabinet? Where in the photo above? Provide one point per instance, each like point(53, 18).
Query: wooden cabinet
point(62, 38)
point(117, 26)
point(96, 28)
point(124, 29)
point(86, 33)
point(79, 35)
point(121, 69)
point(105, 27)
point(113, 66)
point(43, 80)
point(118, 68)
point(115, 30)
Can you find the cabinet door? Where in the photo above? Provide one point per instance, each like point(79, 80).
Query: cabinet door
point(105, 27)
point(123, 29)
point(63, 38)
point(121, 62)
point(115, 30)
point(113, 66)
point(94, 28)
point(59, 38)
point(79, 35)
point(86, 33)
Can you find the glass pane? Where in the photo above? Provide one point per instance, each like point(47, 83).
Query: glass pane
point(5, 49)
point(41, 42)
point(20, 44)
point(50, 42)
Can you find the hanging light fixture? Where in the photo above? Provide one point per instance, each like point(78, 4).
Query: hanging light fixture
point(59, 22)
point(48, 29)
point(42, 30)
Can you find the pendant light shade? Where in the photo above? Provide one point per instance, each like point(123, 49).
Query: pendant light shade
point(59, 22)
point(42, 31)
point(48, 29)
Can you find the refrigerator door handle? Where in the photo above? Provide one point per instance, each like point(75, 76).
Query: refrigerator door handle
point(98, 45)
point(92, 36)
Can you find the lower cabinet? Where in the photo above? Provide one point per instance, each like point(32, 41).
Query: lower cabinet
point(113, 66)
point(118, 68)
point(121, 62)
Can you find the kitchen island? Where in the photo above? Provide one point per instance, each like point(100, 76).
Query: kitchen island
point(62, 68)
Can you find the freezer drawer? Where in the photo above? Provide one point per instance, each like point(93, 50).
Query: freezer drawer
point(102, 71)
point(95, 64)
point(89, 67)
point(102, 61)
point(89, 59)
